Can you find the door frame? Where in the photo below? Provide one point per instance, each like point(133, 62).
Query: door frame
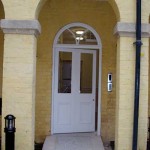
point(97, 47)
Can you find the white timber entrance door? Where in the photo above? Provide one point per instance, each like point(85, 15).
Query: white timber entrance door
point(74, 90)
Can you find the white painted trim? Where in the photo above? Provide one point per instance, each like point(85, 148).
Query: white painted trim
point(99, 93)
point(99, 47)
point(77, 46)
point(52, 100)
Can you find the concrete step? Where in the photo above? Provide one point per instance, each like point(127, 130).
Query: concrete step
point(76, 141)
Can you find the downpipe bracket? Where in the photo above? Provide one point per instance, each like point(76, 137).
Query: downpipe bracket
point(138, 43)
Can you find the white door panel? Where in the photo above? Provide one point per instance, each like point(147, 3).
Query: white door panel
point(74, 102)
point(85, 112)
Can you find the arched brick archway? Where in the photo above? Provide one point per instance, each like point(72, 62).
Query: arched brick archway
point(39, 7)
point(123, 14)
point(113, 3)
point(115, 8)
point(50, 26)
point(2, 11)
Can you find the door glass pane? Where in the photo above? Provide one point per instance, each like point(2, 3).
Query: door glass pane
point(86, 73)
point(64, 72)
point(66, 37)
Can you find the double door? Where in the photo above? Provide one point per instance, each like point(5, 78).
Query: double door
point(74, 90)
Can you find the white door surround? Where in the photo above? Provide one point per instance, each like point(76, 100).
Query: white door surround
point(98, 46)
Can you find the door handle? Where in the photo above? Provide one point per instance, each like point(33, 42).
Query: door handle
point(93, 100)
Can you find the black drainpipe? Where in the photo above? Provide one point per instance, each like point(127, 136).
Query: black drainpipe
point(138, 44)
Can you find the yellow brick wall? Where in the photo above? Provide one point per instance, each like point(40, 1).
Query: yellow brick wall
point(143, 104)
point(1, 54)
point(149, 80)
point(125, 84)
point(125, 94)
point(19, 87)
point(53, 17)
point(1, 48)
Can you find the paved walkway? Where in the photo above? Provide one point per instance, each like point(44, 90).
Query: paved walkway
point(77, 141)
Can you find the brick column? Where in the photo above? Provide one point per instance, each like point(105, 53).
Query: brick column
point(125, 87)
point(19, 74)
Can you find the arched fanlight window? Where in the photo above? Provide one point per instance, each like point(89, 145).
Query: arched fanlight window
point(77, 35)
